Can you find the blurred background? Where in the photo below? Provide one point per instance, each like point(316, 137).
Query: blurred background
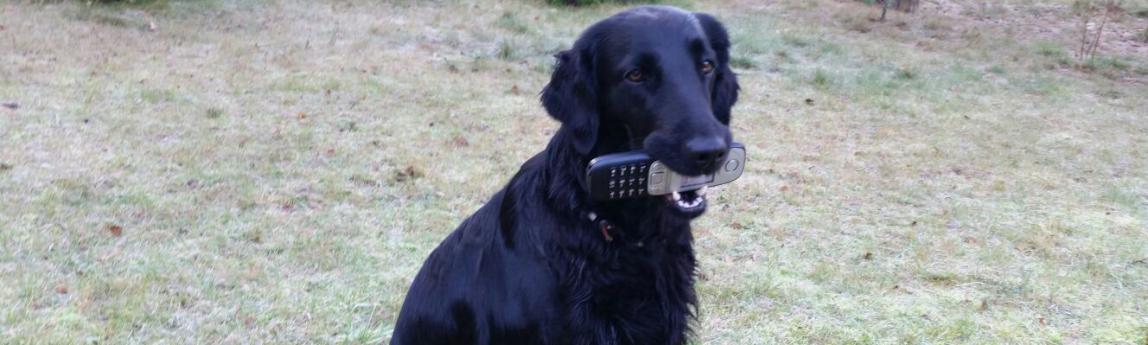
point(235, 172)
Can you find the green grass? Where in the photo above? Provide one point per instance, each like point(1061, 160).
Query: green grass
point(278, 171)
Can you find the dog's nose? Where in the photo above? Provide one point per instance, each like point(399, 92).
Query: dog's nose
point(707, 153)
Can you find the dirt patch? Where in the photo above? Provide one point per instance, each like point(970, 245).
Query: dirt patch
point(1123, 36)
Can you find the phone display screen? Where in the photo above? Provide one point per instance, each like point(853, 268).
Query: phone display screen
point(694, 181)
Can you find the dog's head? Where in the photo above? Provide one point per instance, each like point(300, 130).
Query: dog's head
point(652, 77)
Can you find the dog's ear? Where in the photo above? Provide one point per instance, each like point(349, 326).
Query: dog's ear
point(725, 82)
point(571, 96)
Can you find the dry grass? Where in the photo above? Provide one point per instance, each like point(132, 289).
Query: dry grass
point(275, 172)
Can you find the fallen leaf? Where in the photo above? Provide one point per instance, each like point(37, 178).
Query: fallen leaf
point(459, 141)
point(409, 173)
point(62, 289)
point(116, 230)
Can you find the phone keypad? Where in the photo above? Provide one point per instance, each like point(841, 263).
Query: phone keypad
point(627, 181)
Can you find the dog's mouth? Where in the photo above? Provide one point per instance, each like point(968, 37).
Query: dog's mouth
point(689, 203)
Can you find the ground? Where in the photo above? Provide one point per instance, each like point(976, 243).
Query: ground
point(230, 172)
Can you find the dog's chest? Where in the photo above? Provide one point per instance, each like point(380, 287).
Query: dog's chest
point(639, 295)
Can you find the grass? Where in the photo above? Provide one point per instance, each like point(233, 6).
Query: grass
point(253, 172)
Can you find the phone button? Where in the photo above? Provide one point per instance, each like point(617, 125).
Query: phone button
point(731, 165)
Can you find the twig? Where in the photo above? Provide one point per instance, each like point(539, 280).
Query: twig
point(1087, 16)
point(1100, 30)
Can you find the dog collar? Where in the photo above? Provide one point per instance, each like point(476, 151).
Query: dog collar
point(608, 229)
point(604, 226)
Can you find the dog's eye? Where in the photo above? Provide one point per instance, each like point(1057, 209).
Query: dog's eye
point(635, 76)
point(707, 66)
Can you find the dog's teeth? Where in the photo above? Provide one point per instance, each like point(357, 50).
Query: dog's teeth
point(677, 196)
point(702, 191)
point(689, 204)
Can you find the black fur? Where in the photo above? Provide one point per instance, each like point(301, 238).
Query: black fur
point(529, 267)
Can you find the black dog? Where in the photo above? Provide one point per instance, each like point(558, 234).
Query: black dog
point(542, 263)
